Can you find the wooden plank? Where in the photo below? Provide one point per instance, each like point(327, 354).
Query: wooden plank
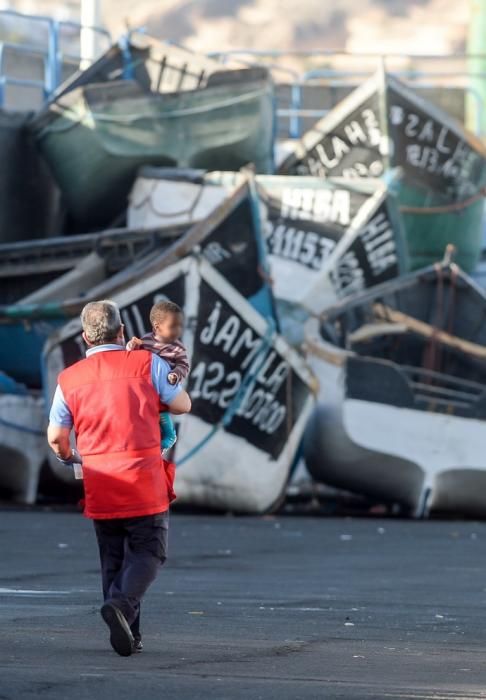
point(426, 330)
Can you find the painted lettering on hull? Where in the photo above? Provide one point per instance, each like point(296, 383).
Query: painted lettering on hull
point(430, 151)
point(306, 245)
point(353, 148)
point(229, 354)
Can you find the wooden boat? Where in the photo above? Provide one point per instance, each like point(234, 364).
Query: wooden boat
point(41, 274)
point(230, 238)
point(58, 268)
point(251, 393)
point(403, 416)
point(155, 65)
point(383, 125)
point(96, 136)
point(30, 198)
point(325, 239)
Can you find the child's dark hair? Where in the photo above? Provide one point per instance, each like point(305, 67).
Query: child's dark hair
point(160, 310)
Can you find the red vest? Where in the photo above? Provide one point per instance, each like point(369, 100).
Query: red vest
point(116, 419)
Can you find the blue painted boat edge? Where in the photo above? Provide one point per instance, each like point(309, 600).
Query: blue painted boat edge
point(264, 300)
point(21, 347)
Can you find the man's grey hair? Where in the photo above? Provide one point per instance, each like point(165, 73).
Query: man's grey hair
point(101, 321)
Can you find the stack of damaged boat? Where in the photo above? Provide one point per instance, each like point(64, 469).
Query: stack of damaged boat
point(309, 280)
point(252, 393)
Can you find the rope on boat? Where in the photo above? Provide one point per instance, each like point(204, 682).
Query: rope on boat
point(446, 208)
point(75, 117)
point(181, 112)
point(21, 428)
point(148, 199)
point(233, 407)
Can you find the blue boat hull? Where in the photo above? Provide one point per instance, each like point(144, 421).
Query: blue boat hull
point(21, 349)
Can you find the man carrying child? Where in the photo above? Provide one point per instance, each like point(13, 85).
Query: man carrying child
point(112, 399)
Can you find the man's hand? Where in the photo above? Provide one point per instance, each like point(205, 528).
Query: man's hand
point(134, 344)
point(58, 439)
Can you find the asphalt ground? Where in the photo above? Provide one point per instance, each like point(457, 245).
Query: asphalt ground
point(250, 608)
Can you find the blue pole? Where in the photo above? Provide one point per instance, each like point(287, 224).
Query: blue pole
point(53, 67)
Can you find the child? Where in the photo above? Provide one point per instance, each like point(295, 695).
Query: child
point(167, 322)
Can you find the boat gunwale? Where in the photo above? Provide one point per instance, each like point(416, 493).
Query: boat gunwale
point(137, 271)
point(324, 350)
point(75, 103)
point(396, 285)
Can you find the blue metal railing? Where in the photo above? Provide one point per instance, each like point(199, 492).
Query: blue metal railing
point(291, 114)
point(295, 112)
point(49, 52)
point(29, 52)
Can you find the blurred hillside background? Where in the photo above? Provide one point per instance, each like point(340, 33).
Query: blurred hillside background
point(418, 26)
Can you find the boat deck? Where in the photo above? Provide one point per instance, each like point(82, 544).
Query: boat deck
point(247, 608)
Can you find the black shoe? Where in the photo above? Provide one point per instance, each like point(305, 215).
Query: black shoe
point(121, 637)
point(137, 645)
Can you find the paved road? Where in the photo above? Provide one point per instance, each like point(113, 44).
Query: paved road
point(249, 608)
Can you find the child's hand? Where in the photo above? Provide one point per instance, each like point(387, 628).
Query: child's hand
point(134, 343)
point(172, 378)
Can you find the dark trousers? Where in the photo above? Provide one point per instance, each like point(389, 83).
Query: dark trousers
point(131, 552)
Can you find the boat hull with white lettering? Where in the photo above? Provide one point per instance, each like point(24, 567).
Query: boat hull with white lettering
point(251, 393)
point(384, 125)
point(325, 240)
point(405, 418)
point(230, 237)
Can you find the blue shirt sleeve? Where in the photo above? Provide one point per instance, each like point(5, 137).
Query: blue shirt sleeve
point(160, 370)
point(60, 413)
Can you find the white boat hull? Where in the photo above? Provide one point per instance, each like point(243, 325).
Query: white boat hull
point(406, 418)
point(23, 446)
point(251, 393)
point(423, 460)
